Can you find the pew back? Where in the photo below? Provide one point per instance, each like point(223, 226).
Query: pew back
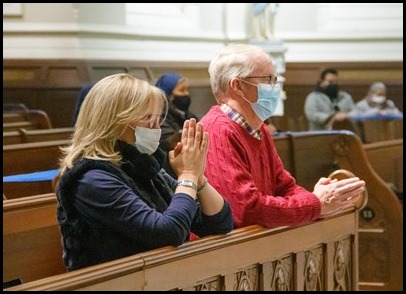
point(31, 239)
point(380, 223)
point(53, 134)
point(272, 259)
point(12, 137)
point(41, 135)
point(27, 158)
point(15, 126)
point(386, 158)
point(379, 234)
point(316, 154)
point(31, 119)
point(9, 117)
point(31, 157)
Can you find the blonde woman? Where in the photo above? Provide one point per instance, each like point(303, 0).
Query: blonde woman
point(114, 198)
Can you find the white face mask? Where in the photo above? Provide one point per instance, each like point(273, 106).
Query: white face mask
point(146, 139)
point(378, 99)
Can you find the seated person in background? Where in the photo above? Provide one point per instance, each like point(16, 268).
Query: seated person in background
point(177, 92)
point(376, 103)
point(114, 198)
point(327, 103)
point(81, 96)
point(242, 162)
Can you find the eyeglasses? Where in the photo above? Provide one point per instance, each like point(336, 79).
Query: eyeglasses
point(273, 79)
point(152, 119)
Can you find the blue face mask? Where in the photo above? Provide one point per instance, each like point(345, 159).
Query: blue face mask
point(267, 100)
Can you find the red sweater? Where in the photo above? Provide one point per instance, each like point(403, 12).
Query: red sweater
point(250, 174)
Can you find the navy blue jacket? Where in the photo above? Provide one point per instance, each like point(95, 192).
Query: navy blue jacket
point(107, 212)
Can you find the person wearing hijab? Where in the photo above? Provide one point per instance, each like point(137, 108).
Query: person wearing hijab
point(177, 93)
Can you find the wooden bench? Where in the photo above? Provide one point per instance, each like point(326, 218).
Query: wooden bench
point(42, 135)
point(386, 158)
point(31, 238)
point(14, 112)
point(382, 130)
point(31, 157)
point(53, 134)
point(28, 158)
point(374, 128)
point(268, 259)
point(33, 119)
point(380, 222)
point(311, 155)
point(12, 137)
point(13, 117)
point(15, 126)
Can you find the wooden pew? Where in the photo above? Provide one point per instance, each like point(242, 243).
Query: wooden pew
point(33, 119)
point(381, 224)
point(28, 158)
point(14, 112)
point(382, 130)
point(15, 190)
point(14, 107)
point(31, 157)
point(41, 135)
point(380, 228)
point(268, 259)
point(373, 129)
point(31, 238)
point(15, 126)
point(53, 134)
point(12, 137)
point(13, 117)
point(311, 155)
point(386, 158)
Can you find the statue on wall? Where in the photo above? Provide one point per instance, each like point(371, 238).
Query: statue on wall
point(264, 19)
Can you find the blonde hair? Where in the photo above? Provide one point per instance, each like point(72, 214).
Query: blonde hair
point(108, 108)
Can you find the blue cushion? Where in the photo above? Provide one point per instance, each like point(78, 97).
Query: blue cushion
point(47, 175)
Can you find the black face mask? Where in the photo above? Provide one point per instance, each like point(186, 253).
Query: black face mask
point(331, 91)
point(182, 102)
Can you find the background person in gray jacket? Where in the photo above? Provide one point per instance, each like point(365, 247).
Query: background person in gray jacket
point(327, 103)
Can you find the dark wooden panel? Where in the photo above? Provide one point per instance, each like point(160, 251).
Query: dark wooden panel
point(53, 85)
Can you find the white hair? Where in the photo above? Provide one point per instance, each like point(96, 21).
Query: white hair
point(376, 86)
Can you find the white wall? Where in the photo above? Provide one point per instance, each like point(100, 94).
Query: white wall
point(341, 31)
point(194, 31)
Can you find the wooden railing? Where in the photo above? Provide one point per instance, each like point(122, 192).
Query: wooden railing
point(307, 156)
point(250, 258)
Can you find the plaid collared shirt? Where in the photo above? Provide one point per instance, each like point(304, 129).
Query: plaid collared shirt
point(235, 116)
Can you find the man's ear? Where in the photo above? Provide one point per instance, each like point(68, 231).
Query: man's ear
point(235, 85)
